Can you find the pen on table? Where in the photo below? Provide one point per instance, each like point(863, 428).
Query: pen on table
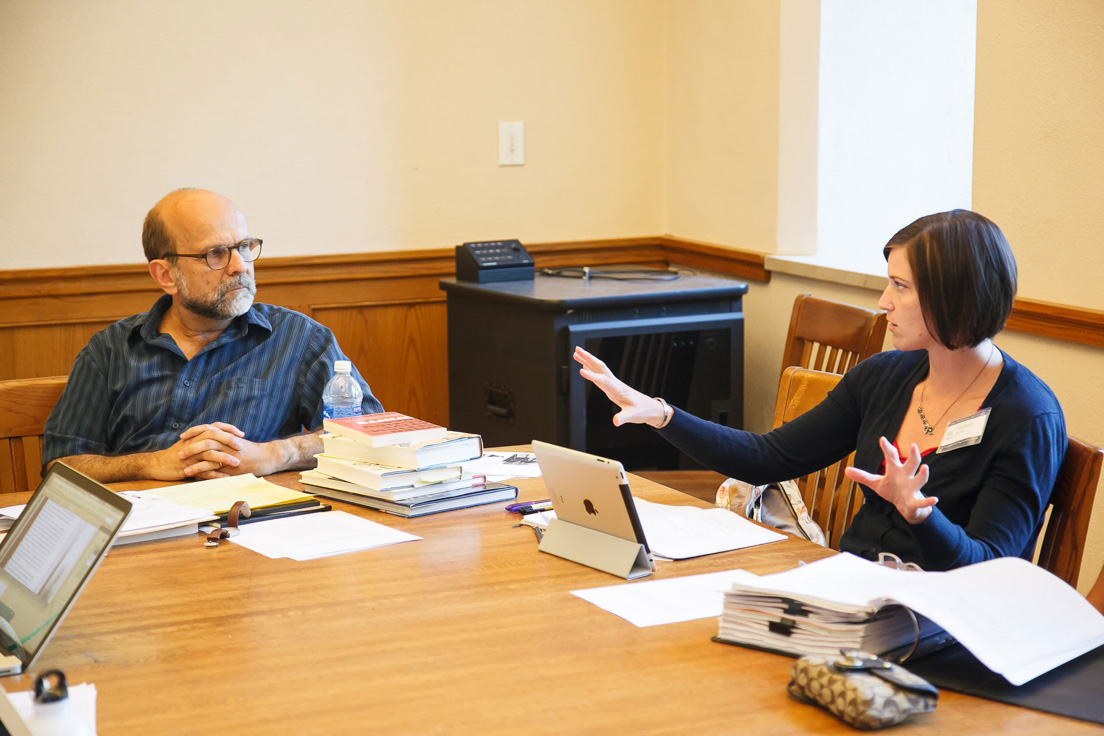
point(286, 514)
point(516, 507)
point(536, 508)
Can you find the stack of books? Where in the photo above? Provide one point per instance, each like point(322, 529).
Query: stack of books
point(404, 466)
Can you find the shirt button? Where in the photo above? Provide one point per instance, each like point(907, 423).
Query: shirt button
point(176, 425)
point(187, 383)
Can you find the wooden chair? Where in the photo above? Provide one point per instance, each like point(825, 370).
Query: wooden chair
point(832, 336)
point(1096, 595)
point(824, 335)
point(1071, 505)
point(24, 405)
point(832, 498)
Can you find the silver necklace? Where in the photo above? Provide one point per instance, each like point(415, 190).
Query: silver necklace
point(928, 429)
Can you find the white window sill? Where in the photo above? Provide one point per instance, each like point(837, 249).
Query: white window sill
point(811, 268)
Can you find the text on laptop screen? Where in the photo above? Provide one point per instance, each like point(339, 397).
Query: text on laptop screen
point(46, 557)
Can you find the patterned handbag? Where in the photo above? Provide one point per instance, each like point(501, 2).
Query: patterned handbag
point(776, 504)
point(860, 689)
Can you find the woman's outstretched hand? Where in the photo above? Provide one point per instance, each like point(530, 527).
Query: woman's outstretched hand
point(636, 408)
point(901, 483)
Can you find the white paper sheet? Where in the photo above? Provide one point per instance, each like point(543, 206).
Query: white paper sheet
point(1016, 617)
point(658, 602)
point(681, 532)
point(310, 536)
point(82, 702)
point(504, 465)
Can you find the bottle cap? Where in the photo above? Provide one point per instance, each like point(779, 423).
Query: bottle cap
point(343, 366)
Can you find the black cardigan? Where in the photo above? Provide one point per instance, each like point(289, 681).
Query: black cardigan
point(992, 496)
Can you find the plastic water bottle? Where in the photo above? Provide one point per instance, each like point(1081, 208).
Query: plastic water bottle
point(342, 395)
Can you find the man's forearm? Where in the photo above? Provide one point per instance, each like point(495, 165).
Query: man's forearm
point(294, 453)
point(290, 453)
point(112, 469)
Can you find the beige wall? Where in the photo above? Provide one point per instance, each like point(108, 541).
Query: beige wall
point(337, 126)
point(346, 126)
point(1038, 149)
point(722, 121)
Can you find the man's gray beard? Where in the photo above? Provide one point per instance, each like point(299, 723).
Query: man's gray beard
point(219, 306)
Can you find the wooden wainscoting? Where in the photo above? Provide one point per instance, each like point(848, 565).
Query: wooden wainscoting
point(386, 308)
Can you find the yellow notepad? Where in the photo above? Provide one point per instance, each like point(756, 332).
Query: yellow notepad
point(220, 494)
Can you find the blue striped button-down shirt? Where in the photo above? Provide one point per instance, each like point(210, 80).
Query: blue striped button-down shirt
point(132, 390)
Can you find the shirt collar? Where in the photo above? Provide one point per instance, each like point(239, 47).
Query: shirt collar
point(148, 324)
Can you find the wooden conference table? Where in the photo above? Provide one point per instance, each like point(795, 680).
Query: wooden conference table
point(471, 630)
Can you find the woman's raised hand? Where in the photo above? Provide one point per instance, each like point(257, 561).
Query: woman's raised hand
point(636, 408)
point(901, 483)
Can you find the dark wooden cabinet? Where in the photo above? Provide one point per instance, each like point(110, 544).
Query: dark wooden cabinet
point(512, 378)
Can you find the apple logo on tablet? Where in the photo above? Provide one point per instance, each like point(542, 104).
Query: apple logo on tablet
point(589, 507)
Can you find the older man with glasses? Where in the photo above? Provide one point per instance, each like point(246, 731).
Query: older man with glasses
point(206, 383)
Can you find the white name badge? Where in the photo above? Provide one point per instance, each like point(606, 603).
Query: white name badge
point(964, 432)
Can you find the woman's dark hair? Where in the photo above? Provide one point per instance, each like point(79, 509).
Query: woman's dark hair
point(964, 273)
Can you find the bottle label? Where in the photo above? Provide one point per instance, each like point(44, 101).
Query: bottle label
point(340, 412)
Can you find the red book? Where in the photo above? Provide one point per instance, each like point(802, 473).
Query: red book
point(388, 428)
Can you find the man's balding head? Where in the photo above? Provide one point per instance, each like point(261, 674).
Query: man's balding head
point(181, 213)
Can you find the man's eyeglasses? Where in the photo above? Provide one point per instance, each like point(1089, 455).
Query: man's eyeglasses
point(218, 257)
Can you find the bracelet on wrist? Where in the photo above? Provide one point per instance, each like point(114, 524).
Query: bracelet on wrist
point(668, 412)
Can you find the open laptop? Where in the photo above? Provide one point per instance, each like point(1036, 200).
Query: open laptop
point(590, 491)
point(48, 557)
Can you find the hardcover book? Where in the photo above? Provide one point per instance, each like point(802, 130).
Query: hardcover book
point(388, 428)
point(453, 449)
point(382, 477)
point(318, 480)
point(422, 506)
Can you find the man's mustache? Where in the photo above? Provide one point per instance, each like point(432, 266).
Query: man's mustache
point(244, 280)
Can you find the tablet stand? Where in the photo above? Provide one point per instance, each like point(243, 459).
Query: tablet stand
point(603, 552)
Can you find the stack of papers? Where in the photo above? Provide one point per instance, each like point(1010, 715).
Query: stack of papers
point(311, 536)
point(1015, 617)
point(8, 515)
point(499, 466)
point(150, 518)
point(218, 495)
point(155, 518)
point(822, 628)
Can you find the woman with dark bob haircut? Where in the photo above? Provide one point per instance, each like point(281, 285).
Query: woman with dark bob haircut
point(937, 498)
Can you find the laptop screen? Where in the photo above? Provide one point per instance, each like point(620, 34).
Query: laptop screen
point(50, 553)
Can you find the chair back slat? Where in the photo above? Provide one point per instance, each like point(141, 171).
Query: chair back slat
point(25, 405)
point(1063, 543)
point(842, 334)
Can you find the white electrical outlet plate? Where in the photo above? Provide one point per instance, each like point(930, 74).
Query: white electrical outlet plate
point(511, 144)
